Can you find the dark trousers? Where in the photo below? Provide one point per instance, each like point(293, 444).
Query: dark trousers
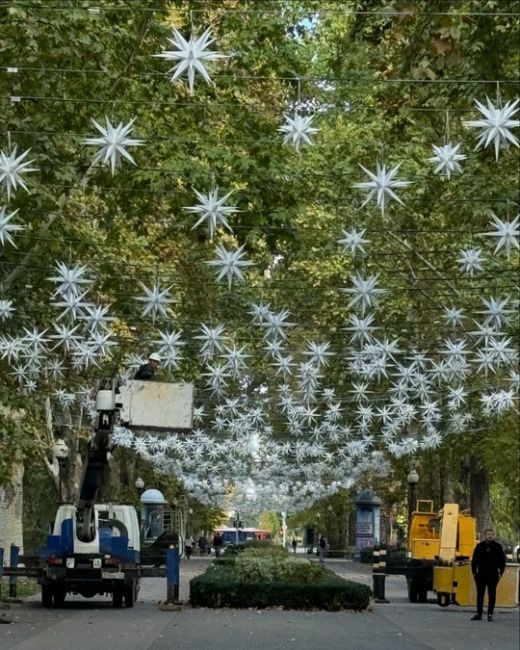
point(483, 581)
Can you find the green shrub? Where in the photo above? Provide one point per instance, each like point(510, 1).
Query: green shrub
point(273, 579)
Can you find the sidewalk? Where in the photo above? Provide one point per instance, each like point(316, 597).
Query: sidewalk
point(399, 625)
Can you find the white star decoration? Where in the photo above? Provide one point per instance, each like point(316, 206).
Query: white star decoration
point(365, 291)
point(447, 159)
point(298, 130)
point(6, 309)
point(156, 301)
point(495, 125)
point(6, 227)
point(11, 170)
point(230, 264)
point(381, 185)
point(69, 280)
point(113, 143)
point(470, 260)
point(507, 234)
point(212, 210)
point(353, 241)
point(191, 56)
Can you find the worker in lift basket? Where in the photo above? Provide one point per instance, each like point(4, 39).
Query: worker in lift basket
point(147, 370)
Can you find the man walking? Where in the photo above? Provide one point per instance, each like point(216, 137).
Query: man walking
point(322, 545)
point(487, 565)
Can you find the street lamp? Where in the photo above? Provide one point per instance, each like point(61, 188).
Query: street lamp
point(139, 485)
point(329, 512)
point(61, 453)
point(190, 513)
point(318, 516)
point(412, 479)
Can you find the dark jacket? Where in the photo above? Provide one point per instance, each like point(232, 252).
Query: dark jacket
point(145, 372)
point(489, 560)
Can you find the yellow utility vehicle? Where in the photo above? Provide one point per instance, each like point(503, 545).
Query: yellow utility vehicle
point(439, 543)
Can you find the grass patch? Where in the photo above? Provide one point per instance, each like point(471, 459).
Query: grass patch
point(25, 587)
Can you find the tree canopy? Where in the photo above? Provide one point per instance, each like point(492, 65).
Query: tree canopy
point(357, 303)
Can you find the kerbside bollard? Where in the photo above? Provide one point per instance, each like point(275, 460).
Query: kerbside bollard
point(379, 575)
point(13, 563)
point(172, 576)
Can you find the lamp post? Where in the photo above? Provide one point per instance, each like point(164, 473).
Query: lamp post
point(318, 517)
point(189, 522)
point(139, 485)
point(412, 479)
point(329, 513)
point(61, 453)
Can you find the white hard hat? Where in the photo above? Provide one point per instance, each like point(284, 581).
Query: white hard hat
point(154, 357)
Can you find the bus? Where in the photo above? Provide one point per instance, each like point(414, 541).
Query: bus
point(229, 535)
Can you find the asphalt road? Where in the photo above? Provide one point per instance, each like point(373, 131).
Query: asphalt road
point(85, 624)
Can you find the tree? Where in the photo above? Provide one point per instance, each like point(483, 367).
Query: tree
point(377, 83)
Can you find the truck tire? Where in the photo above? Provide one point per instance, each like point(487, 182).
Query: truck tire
point(422, 595)
point(413, 592)
point(443, 599)
point(117, 597)
point(47, 595)
point(129, 593)
point(59, 597)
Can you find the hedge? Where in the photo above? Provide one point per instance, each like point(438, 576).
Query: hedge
point(221, 586)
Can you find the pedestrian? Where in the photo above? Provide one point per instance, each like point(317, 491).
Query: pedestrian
point(147, 370)
point(201, 543)
point(294, 545)
point(190, 543)
point(321, 548)
point(217, 544)
point(487, 565)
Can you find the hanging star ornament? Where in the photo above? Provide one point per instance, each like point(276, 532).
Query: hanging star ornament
point(191, 56)
point(495, 125)
point(69, 279)
point(506, 232)
point(353, 241)
point(470, 261)
point(365, 292)
point(298, 130)
point(6, 227)
point(230, 264)
point(156, 301)
point(212, 210)
point(6, 309)
point(11, 170)
point(447, 159)
point(113, 143)
point(381, 186)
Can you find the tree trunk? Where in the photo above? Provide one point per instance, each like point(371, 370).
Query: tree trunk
point(446, 486)
point(11, 509)
point(479, 493)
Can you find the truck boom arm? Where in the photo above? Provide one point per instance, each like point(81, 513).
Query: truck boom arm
point(95, 466)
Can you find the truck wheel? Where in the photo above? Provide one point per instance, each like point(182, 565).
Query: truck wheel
point(129, 595)
point(59, 597)
point(117, 597)
point(413, 593)
point(443, 599)
point(47, 594)
point(422, 595)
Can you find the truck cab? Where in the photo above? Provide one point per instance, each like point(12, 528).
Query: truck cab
point(104, 565)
